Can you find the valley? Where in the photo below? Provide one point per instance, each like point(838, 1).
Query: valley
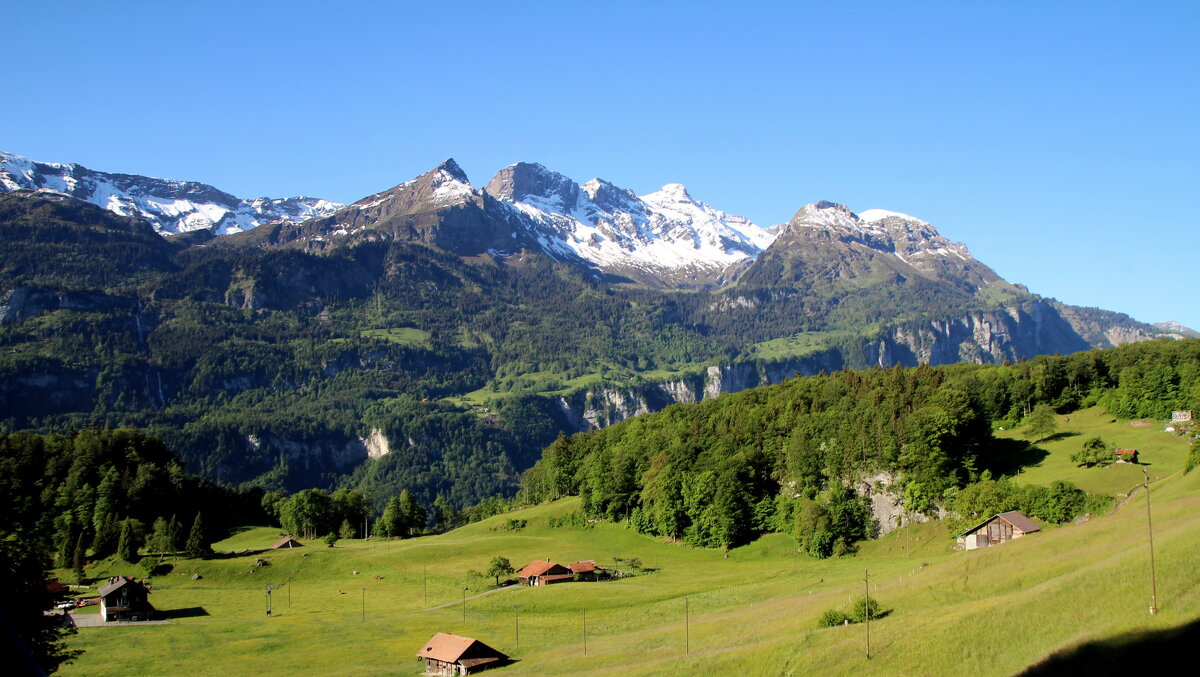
point(751, 609)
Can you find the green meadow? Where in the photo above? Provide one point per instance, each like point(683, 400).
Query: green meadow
point(749, 611)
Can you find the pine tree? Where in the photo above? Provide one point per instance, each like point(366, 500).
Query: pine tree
point(173, 535)
point(105, 542)
point(127, 543)
point(77, 561)
point(196, 545)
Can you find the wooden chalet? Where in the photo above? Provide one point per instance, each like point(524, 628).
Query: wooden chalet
point(540, 572)
point(1126, 455)
point(996, 530)
point(123, 598)
point(287, 542)
point(587, 570)
point(446, 654)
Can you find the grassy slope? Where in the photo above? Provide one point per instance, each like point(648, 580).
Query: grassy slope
point(752, 612)
point(1161, 453)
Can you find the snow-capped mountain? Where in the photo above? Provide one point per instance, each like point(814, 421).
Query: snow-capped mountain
point(666, 234)
point(170, 206)
point(907, 238)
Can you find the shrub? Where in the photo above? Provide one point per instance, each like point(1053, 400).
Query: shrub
point(859, 613)
point(831, 618)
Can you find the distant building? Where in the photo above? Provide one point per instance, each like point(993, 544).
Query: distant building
point(1126, 455)
point(996, 530)
point(446, 654)
point(587, 570)
point(540, 572)
point(1181, 416)
point(124, 599)
point(287, 542)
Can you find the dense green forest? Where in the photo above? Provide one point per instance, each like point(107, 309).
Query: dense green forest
point(789, 457)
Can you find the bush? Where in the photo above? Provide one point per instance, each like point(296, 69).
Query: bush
point(859, 613)
point(330, 539)
point(831, 618)
point(1193, 459)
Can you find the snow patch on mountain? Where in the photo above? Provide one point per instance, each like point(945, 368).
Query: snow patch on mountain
point(908, 238)
point(169, 206)
point(613, 227)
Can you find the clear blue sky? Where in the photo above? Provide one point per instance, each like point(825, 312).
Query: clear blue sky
point(1060, 141)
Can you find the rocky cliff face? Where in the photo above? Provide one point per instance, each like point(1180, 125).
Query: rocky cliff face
point(605, 405)
point(1017, 332)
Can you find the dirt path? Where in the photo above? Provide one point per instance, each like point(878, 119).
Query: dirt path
point(459, 601)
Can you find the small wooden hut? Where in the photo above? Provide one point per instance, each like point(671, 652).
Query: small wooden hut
point(287, 542)
point(447, 654)
point(996, 530)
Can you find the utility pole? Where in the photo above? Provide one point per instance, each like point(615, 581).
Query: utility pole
point(464, 605)
point(425, 581)
point(268, 600)
point(517, 622)
point(289, 594)
point(1150, 533)
point(585, 632)
point(867, 610)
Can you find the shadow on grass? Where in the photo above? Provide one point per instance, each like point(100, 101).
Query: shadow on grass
point(1061, 435)
point(239, 553)
point(1005, 457)
point(189, 612)
point(1125, 654)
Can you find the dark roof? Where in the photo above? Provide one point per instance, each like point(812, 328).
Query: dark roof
point(1013, 517)
point(1019, 521)
point(538, 567)
point(287, 542)
point(450, 648)
point(116, 583)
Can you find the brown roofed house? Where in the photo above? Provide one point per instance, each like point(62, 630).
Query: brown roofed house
point(124, 599)
point(287, 542)
point(996, 530)
point(1126, 455)
point(540, 572)
point(446, 654)
point(587, 570)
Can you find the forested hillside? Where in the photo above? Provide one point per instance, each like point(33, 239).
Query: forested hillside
point(793, 457)
point(382, 362)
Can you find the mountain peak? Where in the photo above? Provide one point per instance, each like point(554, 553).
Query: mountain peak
point(523, 180)
point(451, 167)
point(677, 191)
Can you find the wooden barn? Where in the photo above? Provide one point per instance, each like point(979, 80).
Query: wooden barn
point(587, 570)
point(996, 530)
point(1126, 455)
point(539, 572)
point(446, 654)
point(124, 599)
point(287, 542)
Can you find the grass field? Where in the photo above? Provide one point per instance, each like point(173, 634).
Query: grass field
point(1161, 453)
point(405, 336)
point(751, 611)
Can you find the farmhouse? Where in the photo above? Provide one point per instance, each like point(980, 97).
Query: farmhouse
point(124, 599)
point(1126, 455)
point(587, 570)
point(446, 654)
point(996, 530)
point(540, 572)
point(287, 542)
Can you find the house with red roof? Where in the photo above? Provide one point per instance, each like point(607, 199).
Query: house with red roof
point(999, 529)
point(1126, 455)
point(587, 570)
point(539, 572)
point(447, 654)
